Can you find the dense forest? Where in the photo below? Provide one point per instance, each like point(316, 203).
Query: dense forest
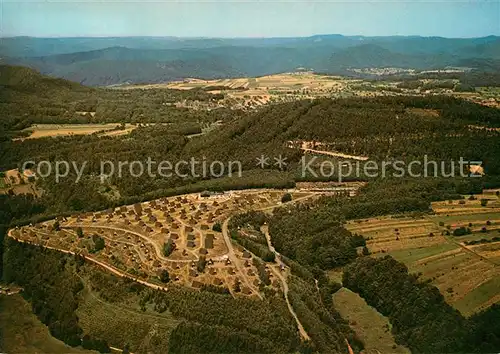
point(313, 237)
point(384, 129)
point(14, 208)
point(212, 322)
point(326, 327)
point(257, 244)
point(51, 284)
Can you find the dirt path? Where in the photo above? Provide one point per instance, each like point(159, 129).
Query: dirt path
point(467, 249)
point(277, 273)
point(335, 154)
point(303, 333)
point(232, 256)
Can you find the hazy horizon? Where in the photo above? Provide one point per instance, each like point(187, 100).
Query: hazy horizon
point(248, 37)
point(241, 19)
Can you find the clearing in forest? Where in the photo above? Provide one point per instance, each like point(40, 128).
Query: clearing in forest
point(48, 130)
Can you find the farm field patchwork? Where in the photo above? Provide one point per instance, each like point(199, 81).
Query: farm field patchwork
point(387, 234)
point(254, 92)
point(447, 209)
point(464, 268)
point(483, 296)
point(285, 81)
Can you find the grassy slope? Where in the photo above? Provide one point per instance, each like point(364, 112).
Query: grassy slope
point(22, 332)
point(371, 327)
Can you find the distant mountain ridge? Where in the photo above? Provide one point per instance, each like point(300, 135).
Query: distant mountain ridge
point(107, 61)
point(34, 46)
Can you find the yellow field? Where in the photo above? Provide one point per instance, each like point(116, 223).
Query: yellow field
point(294, 81)
point(467, 275)
point(46, 130)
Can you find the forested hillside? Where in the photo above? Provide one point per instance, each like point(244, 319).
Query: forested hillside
point(381, 128)
point(208, 322)
point(386, 128)
point(36, 47)
point(28, 97)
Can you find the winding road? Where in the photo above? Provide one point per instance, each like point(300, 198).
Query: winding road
point(232, 256)
point(335, 154)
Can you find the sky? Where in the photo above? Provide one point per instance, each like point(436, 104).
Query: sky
point(201, 18)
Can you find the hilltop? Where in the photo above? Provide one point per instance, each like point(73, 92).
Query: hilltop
point(23, 79)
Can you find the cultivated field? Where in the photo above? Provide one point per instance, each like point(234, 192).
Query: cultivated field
point(465, 268)
point(281, 82)
point(48, 130)
point(254, 92)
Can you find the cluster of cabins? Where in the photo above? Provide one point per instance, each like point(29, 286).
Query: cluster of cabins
point(131, 232)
